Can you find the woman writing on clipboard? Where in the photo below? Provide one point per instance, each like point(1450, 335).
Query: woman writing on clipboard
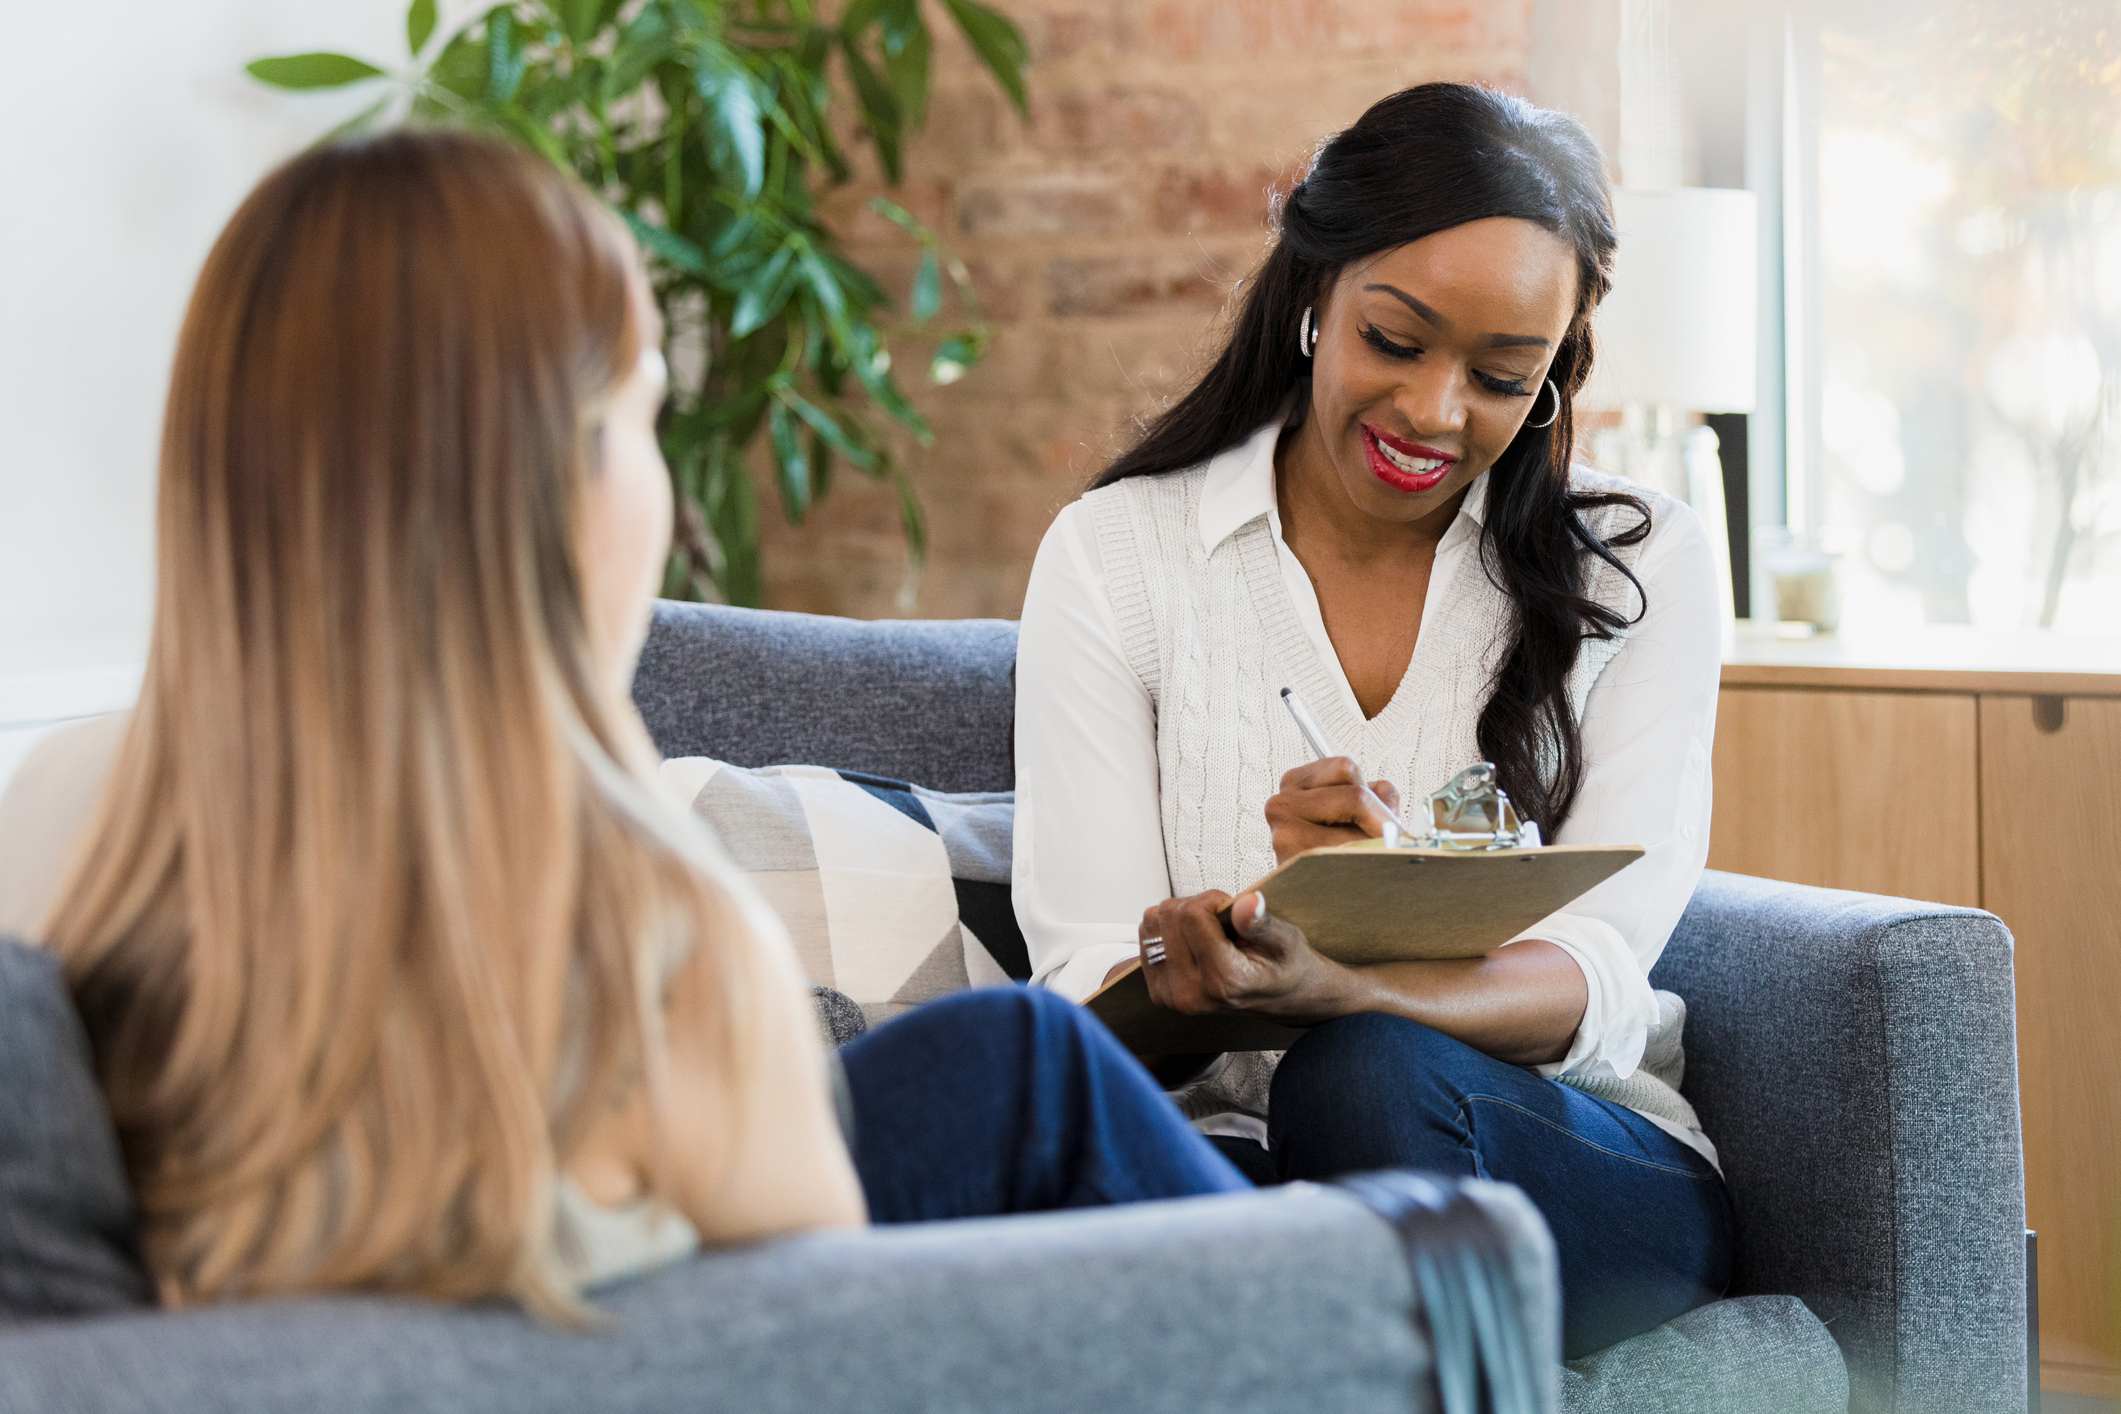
point(1370, 498)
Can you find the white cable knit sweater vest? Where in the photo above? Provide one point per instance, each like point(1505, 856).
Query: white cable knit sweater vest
point(1214, 637)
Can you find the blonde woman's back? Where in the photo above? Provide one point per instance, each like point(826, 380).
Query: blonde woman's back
point(381, 925)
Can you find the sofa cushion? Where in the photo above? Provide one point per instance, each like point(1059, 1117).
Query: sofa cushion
point(66, 1215)
point(893, 894)
point(1745, 1355)
point(917, 700)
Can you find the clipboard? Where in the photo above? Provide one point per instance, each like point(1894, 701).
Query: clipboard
point(1364, 903)
point(1455, 892)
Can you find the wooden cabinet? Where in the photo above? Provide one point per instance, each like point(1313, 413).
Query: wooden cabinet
point(1852, 790)
point(2051, 869)
point(1996, 787)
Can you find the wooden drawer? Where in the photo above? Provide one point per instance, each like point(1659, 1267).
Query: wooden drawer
point(1851, 790)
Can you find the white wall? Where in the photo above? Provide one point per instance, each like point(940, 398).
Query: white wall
point(133, 132)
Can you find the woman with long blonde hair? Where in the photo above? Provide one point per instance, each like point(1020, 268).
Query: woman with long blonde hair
point(400, 971)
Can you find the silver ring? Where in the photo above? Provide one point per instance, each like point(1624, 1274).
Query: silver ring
point(1152, 951)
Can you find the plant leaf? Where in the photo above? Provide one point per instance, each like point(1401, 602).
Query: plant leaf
point(824, 284)
point(419, 24)
point(872, 368)
point(304, 71)
point(739, 123)
point(645, 43)
point(999, 44)
point(533, 135)
point(764, 295)
point(794, 471)
point(830, 370)
point(579, 19)
point(716, 171)
point(902, 22)
point(820, 467)
point(953, 356)
point(552, 94)
point(861, 291)
point(810, 54)
point(829, 429)
point(729, 240)
point(738, 415)
point(910, 515)
point(504, 60)
point(731, 507)
point(880, 109)
point(862, 14)
point(461, 67)
point(928, 286)
point(802, 100)
point(907, 54)
point(898, 216)
point(668, 246)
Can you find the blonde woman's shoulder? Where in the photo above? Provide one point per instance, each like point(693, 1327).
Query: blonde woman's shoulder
point(44, 811)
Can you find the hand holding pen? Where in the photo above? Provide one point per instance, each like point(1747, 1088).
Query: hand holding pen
point(1198, 956)
point(1327, 801)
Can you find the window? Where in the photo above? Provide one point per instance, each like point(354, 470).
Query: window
point(1953, 249)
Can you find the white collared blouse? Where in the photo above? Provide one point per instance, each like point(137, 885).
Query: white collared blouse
point(1090, 844)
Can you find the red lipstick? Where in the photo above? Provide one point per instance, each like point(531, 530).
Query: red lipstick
point(1398, 477)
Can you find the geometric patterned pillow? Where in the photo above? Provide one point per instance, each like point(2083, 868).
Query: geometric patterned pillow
point(894, 895)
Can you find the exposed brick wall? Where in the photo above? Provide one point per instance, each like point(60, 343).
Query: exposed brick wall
point(1104, 237)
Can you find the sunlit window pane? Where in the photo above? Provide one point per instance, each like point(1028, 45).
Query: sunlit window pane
point(1968, 368)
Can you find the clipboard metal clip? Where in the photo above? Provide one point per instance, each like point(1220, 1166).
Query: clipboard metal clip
point(1473, 812)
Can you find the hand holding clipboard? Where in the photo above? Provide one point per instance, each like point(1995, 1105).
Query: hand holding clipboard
point(1468, 882)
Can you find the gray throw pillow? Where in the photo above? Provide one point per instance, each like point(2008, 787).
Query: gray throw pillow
point(66, 1210)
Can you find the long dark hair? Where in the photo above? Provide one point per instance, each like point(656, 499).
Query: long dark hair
point(1421, 161)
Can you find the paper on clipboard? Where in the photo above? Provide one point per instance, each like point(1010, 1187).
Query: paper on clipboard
point(1461, 891)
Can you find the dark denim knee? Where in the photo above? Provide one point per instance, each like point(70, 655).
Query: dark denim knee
point(1003, 1004)
point(1028, 1008)
point(1009, 1017)
point(1048, 1005)
point(994, 1023)
point(1345, 1066)
point(1369, 1092)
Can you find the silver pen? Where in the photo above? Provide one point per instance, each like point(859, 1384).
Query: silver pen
point(1315, 738)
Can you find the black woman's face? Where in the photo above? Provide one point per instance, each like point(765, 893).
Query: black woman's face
point(1432, 355)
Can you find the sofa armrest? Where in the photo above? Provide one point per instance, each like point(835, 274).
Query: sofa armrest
point(1855, 1060)
point(1296, 1299)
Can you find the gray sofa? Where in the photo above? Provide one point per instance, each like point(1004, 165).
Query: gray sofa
point(1852, 1056)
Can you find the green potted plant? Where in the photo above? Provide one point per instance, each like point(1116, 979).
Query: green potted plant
point(710, 126)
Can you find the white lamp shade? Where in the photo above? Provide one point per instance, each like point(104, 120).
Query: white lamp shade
point(1677, 330)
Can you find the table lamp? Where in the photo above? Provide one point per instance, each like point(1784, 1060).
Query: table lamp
point(1675, 336)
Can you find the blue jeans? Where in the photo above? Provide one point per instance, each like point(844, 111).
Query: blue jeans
point(1014, 1100)
point(1642, 1222)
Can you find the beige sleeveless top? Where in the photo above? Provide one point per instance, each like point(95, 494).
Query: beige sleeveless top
point(599, 1244)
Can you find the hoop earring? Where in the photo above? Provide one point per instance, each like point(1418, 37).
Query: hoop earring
point(1550, 388)
point(1307, 333)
